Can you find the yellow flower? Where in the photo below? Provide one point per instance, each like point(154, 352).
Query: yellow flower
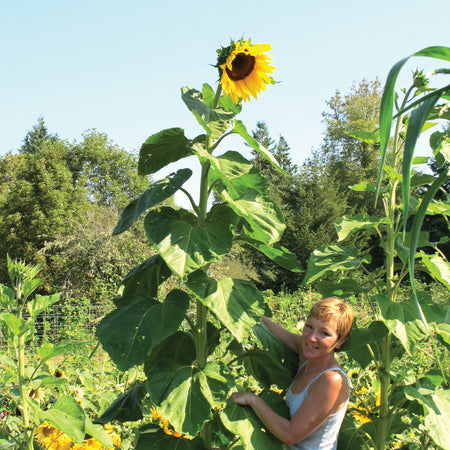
point(361, 416)
point(117, 441)
point(244, 69)
point(51, 438)
point(38, 394)
point(91, 444)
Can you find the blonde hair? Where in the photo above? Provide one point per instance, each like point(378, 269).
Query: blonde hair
point(336, 310)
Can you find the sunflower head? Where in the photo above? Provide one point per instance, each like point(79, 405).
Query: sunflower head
point(243, 69)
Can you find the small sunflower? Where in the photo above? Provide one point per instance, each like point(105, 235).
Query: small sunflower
point(115, 437)
point(244, 69)
point(51, 438)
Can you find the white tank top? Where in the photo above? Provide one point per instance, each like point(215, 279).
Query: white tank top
point(325, 437)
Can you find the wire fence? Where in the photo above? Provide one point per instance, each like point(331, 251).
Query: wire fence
point(64, 322)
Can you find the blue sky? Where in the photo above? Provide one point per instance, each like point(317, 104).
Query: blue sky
point(118, 66)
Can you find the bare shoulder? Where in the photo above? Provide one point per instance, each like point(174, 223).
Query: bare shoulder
point(331, 381)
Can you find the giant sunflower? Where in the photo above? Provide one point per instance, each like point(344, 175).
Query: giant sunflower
point(244, 69)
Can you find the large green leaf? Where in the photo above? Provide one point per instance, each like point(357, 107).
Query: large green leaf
point(236, 303)
point(225, 102)
point(68, 416)
point(17, 325)
point(285, 357)
point(161, 149)
point(180, 346)
point(437, 267)
point(155, 194)
point(152, 437)
point(239, 128)
point(41, 303)
point(185, 395)
point(242, 421)
point(7, 297)
point(262, 214)
point(185, 245)
point(346, 226)
point(415, 125)
point(331, 259)
point(403, 320)
point(360, 338)
point(126, 407)
point(214, 121)
point(98, 433)
point(266, 369)
point(436, 405)
point(130, 333)
point(143, 280)
point(387, 100)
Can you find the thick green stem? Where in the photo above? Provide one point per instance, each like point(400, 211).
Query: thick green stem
point(24, 394)
point(202, 310)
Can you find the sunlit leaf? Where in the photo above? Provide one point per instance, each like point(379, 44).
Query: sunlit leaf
point(17, 325)
point(346, 226)
point(239, 128)
point(236, 303)
point(161, 149)
point(130, 332)
point(343, 288)
point(49, 351)
point(365, 136)
point(185, 245)
point(155, 194)
point(98, 433)
point(67, 416)
point(185, 395)
point(331, 259)
point(41, 303)
point(437, 267)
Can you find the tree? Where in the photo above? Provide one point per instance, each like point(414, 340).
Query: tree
point(51, 188)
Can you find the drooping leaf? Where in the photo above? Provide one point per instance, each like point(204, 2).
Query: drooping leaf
point(29, 286)
point(331, 259)
point(236, 303)
point(368, 137)
point(161, 149)
point(127, 407)
point(214, 121)
point(152, 437)
point(180, 346)
point(415, 125)
point(98, 433)
point(68, 416)
point(346, 226)
point(277, 253)
point(185, 395)
point(240, 129)
point(41, 303)
point(242, 421)
point(185, 245)
point(144, 280)
point(130, 332)
point(155, 194)
point(387, 100)
point(7, 297)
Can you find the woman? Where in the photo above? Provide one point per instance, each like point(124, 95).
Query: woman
point(318, 396)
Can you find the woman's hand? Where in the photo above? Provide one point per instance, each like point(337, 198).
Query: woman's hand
point(242, 398)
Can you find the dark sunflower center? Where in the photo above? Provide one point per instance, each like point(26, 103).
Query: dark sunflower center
point(241, 66)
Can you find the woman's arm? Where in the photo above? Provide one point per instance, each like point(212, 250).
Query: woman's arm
point(326, 396)
point(292, 340)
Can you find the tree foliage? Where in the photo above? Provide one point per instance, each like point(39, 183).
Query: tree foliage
point(52, 190)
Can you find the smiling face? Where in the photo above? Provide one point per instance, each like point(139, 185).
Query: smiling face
point(319, 338)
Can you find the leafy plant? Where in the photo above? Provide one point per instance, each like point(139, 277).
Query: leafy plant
point(24, 379)
point(187, 339)
point(401, 325)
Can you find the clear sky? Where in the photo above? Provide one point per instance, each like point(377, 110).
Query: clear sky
point(118, 66)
